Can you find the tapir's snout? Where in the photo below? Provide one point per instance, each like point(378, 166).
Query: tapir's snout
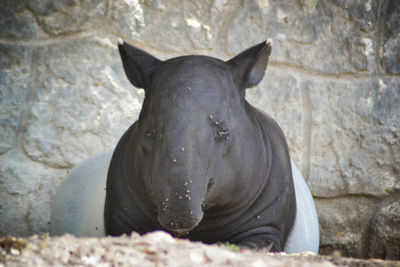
point(179, 191)
point(179, 222)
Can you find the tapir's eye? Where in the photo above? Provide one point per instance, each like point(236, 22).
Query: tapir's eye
point(221, 131)
point(147, 144)
point(149, 133)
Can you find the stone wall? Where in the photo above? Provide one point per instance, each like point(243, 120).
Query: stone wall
point(333, 84)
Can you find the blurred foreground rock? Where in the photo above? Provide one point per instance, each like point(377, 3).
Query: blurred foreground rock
point(154, 249)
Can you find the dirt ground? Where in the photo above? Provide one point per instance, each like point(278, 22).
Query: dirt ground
point(154, 249)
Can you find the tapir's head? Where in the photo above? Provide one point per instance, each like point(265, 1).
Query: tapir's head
point(192, 129)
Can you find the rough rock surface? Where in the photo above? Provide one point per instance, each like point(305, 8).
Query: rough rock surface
point(154, 249)
point(385, 233)
point(333, 84)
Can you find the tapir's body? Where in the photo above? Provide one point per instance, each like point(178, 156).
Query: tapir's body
point(78, 207)
point(201, 162)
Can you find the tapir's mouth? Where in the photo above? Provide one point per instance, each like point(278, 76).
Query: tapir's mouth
point(180, 232)
point(181, 226)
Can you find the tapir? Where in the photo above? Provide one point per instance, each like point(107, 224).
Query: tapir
point(200, 162)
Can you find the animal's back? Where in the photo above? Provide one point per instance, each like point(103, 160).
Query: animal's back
point(78, 205)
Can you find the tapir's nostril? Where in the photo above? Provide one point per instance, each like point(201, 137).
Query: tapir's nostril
point(210, 184)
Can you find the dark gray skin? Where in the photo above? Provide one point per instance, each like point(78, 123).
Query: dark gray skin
point(201, 162)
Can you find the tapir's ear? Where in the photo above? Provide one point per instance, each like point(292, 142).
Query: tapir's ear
point(249, 66)
point(138, 64)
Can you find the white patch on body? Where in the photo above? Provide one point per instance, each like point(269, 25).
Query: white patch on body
point(78, 206)
point(305, 232)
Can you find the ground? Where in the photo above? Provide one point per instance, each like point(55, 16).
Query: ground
point(154, 249)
